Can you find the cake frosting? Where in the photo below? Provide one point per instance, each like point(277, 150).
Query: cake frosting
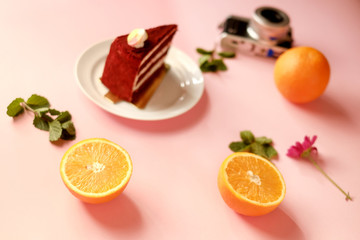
point(137, 38)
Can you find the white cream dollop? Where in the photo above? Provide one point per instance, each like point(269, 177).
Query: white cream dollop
point(137, 38)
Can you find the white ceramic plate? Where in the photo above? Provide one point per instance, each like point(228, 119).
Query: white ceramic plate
point(181, 88)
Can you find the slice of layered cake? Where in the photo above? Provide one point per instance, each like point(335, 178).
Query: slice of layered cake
point(135, 64)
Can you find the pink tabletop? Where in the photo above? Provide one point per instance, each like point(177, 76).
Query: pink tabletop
point(173, 192)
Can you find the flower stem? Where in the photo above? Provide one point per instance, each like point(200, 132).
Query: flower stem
point(332, 181)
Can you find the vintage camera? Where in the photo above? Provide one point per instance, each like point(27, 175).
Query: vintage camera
point(267, 33)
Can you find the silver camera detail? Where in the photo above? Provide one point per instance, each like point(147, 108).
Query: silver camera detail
point(267, 33)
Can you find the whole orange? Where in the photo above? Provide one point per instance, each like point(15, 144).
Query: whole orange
point(301, 74)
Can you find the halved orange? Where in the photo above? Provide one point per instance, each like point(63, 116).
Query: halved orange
point(96, 170)
point(250, 185)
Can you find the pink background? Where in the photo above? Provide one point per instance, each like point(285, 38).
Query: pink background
point(173, 192)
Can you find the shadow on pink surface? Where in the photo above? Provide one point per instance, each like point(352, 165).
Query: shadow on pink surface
point(328, 109)
point(120, 213)
point(277, 225)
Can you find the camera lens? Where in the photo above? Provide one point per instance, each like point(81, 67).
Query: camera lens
point(269, 24)
point(271, 15)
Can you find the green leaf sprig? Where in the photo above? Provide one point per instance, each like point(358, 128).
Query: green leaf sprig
point(58, 124)
point(209, 63)
point(258, 145)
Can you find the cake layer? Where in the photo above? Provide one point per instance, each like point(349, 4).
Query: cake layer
point(151, 67)
point(141, 98)
point(124, 63)
point(156, 76)
point(150, 60)
point(166, 41)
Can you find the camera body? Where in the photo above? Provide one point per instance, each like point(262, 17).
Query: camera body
point(267, 33)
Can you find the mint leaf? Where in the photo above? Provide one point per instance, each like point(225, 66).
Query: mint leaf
point(238, 146)
point(257, 145)
point(54, 112)
point(270, 151)
point(55, 130)
point(219, 63)
point(203, 51)
point(69, 127)
point(64, 116)
point(41, 123)
point(60, 127)
point(258, 149)
point(208, 67)
point(247, 137)
point(15, 108)
point(263, 140)
point(212, 66)
point(227, 54)
point(37, 101)
point(208, 63)
point(204, 59)
point(41, 111)
point(66, 136)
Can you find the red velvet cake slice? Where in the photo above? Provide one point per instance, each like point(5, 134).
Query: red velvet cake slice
point(131, 69)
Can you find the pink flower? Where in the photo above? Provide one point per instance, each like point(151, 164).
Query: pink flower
point(306, 150)
point(300, 150)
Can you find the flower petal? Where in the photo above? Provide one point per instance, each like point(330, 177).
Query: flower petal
point(313, 151)
point(313, 140)
point(294, 152)
point(303, 149)
point(307, 143)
